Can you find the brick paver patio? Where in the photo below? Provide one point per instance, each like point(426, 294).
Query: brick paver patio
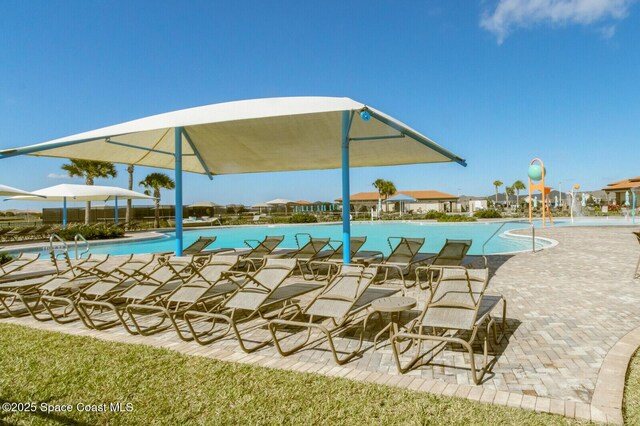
point(573, 323)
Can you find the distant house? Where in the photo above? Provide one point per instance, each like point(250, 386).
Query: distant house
point(619, 188)
point(425, 200)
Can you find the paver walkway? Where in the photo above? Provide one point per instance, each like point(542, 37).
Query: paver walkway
point(571, 315)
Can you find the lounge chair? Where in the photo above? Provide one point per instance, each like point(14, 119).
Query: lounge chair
point(310, 252)
point(18, 234)
point(451, 254)
point(198, 246)
point(455, 311)
point(358, 256)
point(254, 257)
point(4, 231)
point(166, 277)
point(403, 258)
point(637, 273)
point(9, 269)
point(203, 291)
point(29, 291)
point(347, 294)
point(136, 268)
point(259, 291)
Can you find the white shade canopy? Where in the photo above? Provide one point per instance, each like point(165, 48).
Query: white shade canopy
point(280, 202)
point(204, 204)
point(6, 191)
point(82, 193)
point(258, 135)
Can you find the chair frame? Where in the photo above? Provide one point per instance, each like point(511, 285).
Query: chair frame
point(415, 330)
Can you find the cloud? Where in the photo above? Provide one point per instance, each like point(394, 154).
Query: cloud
point(57, 176)
point(608, 31)
point(511, 14)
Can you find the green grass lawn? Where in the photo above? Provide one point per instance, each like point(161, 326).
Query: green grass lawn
point(165, 387)
point(631, 405)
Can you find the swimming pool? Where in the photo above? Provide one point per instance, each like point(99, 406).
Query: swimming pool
point(435, 235)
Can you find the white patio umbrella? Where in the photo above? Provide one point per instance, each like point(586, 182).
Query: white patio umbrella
point(66, 192)
point(7, 191)
point(401, 198)
point(261, 206)
point(204, 204)
point(280, 202)
point(257, 135)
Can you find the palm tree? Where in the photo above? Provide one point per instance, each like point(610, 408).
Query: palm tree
point(129, 201)
point(518, 186)
point(155, 182)
point(90, 170)
point(497, 184)
point(379, 185)
point(509, 192)
point(388, 189)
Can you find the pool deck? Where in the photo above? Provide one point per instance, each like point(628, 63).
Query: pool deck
point(573, 324)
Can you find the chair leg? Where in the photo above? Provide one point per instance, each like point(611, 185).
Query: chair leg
point(54, 304)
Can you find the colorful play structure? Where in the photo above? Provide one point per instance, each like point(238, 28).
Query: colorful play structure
point(537, 173)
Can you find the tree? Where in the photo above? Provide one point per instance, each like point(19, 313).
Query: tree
point(379, 185)
point(518, 186)
point(153, 183)
point(497, 184)
point(509, 192)
point(129, 201)
point(388, 189)
point(90, 170)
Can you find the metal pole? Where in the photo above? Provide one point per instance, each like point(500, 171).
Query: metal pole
point(346, 202)
point(533, 238)
point(178, 179)
point(115, 214)
point(64, 213)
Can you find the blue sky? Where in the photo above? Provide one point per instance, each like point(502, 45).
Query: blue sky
point(498, 82)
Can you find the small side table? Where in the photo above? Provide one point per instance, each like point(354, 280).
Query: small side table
point(393, 305)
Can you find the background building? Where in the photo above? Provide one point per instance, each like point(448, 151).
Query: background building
point(425, 200)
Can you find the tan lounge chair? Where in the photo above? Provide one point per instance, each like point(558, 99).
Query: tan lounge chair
point(339, 307)
point(456, 309)
point(403, 258)
point(254, 257)
point(166, 277)
point(132, 271)
point(9, 269)
point(451, 254)
point(29, 291)
point(203, 291)
point(258, 292)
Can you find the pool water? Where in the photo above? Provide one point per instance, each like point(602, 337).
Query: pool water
point(435, 235)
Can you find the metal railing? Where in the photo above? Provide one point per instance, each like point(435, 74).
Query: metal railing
point(57, 243)
point(491, 237)
point(79, 238)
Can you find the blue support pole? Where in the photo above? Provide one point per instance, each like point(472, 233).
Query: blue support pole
point(633, 207)
point(346, 202)
point(178, 179)
point(115, 214)
point(64, 213)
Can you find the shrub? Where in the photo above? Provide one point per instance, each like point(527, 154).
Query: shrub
point(303, 218)
point(487, 214)
point(456, 218)
point(433, 214)
point(91, 232)
point(5, 257)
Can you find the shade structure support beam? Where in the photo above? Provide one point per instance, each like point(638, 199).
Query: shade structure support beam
point(417, 137)
point(178, 181)
point(128, 145)
point(375, 138)
point(34, 149)
point(115, 213)
point(347, 117)
point(197, 154)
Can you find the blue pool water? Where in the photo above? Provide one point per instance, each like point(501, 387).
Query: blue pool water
point(376, 233)
point(435, 235)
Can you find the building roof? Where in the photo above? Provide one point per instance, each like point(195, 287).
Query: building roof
point(622, 185)
point(418, 195)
